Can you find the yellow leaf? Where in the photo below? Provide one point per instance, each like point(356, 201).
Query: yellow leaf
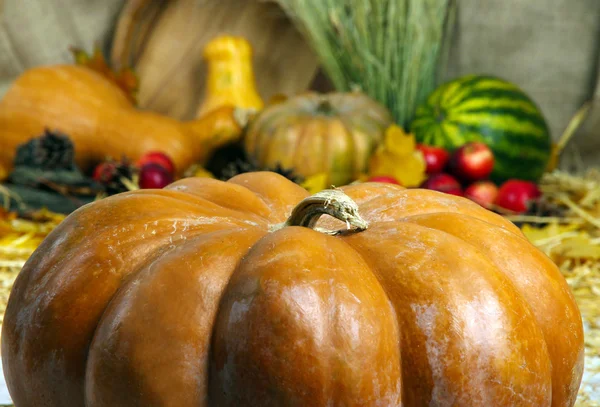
point(315, 183)
point(201, 172)
point(197, 170)
point(398, 142)
point(397, 157)
point(579, 247)
point(538, 235)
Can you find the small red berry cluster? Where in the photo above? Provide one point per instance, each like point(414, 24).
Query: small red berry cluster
point(155, 170)
point(465, 172)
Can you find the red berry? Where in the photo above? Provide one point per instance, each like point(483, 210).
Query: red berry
point(153, 175)
point(105, 172)
point(436, 158)
point(384, 178)
point(443, 183)
point(157, 157)
point(472, 162)
point(516, 195)
point(482, 192)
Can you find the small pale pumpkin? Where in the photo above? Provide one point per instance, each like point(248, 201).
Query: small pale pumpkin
point(202, 294)
point(316, 133)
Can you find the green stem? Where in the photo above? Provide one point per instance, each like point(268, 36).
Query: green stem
point(332, 202)
point(325, 107)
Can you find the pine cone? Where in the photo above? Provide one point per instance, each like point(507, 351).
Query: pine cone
point(50, 151)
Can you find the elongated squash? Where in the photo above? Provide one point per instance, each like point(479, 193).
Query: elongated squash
point(102, 121)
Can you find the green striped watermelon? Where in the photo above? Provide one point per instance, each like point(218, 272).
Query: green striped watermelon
point(491, 110)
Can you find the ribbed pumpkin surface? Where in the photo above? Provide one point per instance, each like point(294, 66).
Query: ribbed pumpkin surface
point(492, 110)
point(314, 133)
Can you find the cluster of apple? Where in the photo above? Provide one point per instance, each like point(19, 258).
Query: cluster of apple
point(465, 172)
point(155, 170)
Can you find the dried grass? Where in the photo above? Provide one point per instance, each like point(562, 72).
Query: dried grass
point(572, 241)
point(392, 50)
point(18, 239)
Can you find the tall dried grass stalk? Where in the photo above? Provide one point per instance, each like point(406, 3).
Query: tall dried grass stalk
point(393, 50)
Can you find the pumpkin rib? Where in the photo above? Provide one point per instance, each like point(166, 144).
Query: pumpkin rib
point(257, 137)
point(375, 195)
point(78, 311)
point(221, 193)
point(364, 192)
point(396, 207)
point(292, 337)
point(136, 216)
point(356, 135)
point(476, 327)
point(197, 201)
point(325, 145)
point(351, 149)
point(173, 298)
point(541, 290)
point(279, 194)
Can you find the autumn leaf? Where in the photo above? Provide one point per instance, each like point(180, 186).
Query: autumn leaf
point(540, 235)
point(579, 248)
point(125, 79)
point(315, 183)
point(398, 157)
point(202, 172)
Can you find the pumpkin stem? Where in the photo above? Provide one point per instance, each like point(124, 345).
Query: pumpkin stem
point(332, 202)
point(325, 108)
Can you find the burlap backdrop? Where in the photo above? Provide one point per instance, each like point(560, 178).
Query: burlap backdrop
point(551, 48)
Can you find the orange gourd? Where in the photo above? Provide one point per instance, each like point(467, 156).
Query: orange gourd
point(102, 121)
point(212, 293)
point(230, 80)
point(333, 134)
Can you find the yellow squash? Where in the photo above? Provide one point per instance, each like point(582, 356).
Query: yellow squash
point(230, 75)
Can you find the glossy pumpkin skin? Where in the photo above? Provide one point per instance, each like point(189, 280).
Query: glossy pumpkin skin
point(187, 297)
point(315, 133)
point(101, 120)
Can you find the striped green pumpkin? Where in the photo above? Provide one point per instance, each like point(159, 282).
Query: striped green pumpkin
point(491, 110)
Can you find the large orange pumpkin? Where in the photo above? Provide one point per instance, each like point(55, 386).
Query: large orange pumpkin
point(203, 294)
point(333, 134)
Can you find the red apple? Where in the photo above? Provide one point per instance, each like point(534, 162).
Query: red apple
point(436, 158)
point(443, 183)
point(482, 192)
point(157, 157)
point(516, 195)
point(473, 161)
point(153, 175)
point(384, 178)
